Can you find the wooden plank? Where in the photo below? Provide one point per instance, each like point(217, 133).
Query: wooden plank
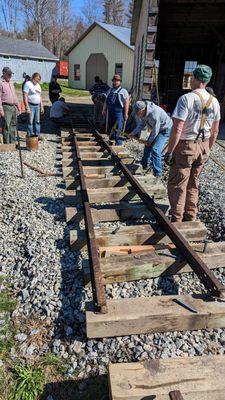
point(7, 148)
point(92, 155)
point(113, 195)
point(117, 149)
point(94, 162)
point(132, 267)
point(155, 314)
point(69, 171)
point(137, 235)
point(197, 378)
point(116, 212)
point(111, 181)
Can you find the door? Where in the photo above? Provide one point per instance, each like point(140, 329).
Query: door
point(96, 64)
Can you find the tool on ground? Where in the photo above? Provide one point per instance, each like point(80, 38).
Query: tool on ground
point(20, 153)
point(176, 395)
point(40, 171)
point(185, 305)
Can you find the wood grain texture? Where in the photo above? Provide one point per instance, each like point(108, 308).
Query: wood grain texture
point(197, 378)
point(154, 314)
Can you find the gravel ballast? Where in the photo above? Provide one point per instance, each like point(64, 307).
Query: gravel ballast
point(47, 276)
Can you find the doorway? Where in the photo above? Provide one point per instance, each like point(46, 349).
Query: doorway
point(96, 64)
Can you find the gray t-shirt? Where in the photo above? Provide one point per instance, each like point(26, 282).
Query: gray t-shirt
point(58, 109)
point(189, 109)
point(155, 119)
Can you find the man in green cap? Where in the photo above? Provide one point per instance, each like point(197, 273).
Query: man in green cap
point(195, 129)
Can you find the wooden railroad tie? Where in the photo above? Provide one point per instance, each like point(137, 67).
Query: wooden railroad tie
point(197, 378)
point(152, 262)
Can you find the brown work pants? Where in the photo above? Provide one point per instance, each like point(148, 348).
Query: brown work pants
point(188, 161)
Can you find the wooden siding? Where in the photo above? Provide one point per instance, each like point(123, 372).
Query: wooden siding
point(29, 66)
point(145, 40)
point(100, 41)
point(141, 32)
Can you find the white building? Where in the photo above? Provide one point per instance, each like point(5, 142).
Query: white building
point(102, 50)
point(25, 57)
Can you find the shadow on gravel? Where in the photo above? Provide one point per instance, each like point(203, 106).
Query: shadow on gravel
point(88, 389)
point(167, 285)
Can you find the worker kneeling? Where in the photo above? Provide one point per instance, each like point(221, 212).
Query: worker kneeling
point(117, 105)
point(196, 124)
point(156, 119)
point(57, 114)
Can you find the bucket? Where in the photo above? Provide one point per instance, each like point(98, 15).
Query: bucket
point(32, 143)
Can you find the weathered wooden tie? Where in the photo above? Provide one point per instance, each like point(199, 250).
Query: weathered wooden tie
point(155, 314)
point(137, 235)
point(115, 212)
point(112, 195)
point(197, 378)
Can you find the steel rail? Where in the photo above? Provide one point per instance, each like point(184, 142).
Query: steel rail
point(205, 275)
point(97, 282)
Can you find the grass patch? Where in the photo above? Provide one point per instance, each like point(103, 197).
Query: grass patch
point(64, 86)
point(29, 383)
point(51, 360)
point(8, 342)
point(6, 303)
point(3, 278)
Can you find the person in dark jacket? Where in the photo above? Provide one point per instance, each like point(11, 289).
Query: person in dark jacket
point(54, 90)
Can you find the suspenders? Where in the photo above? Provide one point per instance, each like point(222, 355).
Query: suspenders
point(205, 107)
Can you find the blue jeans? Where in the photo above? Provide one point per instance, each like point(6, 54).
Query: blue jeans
point(152, 156)
point(116, 114)
point(34, 126)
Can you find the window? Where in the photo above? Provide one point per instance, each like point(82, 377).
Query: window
point(119, 69)
point(24, 59)
point(7, 57)
point(77, 72)
point(188, 69)
point(40, 61)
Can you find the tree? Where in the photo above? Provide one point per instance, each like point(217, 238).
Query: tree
point(37, 13)
point(92, 11)
point(107, 11)
point(113, 11)
point(129, 13)
point(10, 12)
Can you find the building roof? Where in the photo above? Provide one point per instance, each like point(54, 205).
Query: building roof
point(119, 32)
point(24, 48)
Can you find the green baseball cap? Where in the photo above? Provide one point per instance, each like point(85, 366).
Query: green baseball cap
point(203, 73)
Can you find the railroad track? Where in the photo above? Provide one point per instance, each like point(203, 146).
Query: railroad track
point(103, 184)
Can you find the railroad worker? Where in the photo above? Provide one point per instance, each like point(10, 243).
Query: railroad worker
point(9, 106)
point(117, 105)
point(54, 90)
point(155, 119)
point(33, 104)
point(196, 125)
point(57, 113)
point(98, 88)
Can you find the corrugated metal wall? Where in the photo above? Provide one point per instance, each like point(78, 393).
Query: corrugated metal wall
point(19, 66)
point(100, 41)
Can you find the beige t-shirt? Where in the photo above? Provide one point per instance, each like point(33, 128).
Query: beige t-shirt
point(189, 110)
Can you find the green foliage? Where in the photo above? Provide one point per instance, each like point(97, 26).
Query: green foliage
point(6, 303)
point(51, 359)
point(2, 279)
point(29, 383)
point(64, 86)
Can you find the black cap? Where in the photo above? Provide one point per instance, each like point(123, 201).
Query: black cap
point(7, 70)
